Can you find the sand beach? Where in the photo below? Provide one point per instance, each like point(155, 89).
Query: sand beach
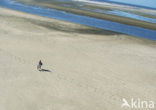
point(91, 69)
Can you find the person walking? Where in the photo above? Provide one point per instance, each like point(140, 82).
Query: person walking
point(39, 65)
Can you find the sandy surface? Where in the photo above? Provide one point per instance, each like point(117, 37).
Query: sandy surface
point(91, 69)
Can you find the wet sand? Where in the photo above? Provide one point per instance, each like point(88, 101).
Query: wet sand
point(91, 69)
point(83, 10)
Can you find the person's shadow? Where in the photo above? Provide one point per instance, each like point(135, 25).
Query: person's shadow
point(45, 70)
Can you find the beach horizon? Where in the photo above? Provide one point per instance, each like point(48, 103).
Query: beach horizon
point(59, 5)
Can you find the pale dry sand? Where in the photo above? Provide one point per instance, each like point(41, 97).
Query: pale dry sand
point(91, 69)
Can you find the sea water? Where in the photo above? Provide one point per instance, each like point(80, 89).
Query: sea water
point(151, 4)
point(142, 15)
point(85, 20)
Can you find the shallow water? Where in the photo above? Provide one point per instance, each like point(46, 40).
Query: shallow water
point(98, 23)
point(139, 3)
point(123, 13)
point(144, 3)
point(127, 15)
